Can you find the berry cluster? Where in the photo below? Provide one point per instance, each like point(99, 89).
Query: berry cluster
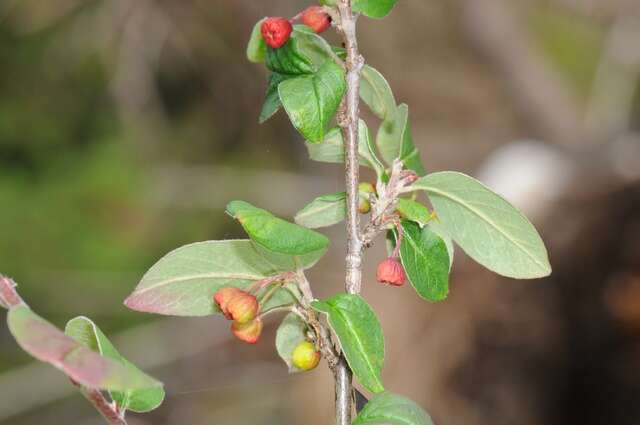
point(276, 31)
point(241, 307)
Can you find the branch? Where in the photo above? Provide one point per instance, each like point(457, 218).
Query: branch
point(348, 121)
point(106, 409)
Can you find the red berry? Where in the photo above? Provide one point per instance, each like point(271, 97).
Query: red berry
point(391, 272)
point(222, 298)
point(316, 18)
point(243, 308)
point(248, 332)
point(276, 31)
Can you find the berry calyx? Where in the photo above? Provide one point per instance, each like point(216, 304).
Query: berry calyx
point(243, 308)
point(223, 296)
point(276, 31)
point(248, 332)
point(316, 18)
point(391, 272)
point(305, 356)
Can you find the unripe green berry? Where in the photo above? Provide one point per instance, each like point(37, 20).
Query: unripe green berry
point(305, 356)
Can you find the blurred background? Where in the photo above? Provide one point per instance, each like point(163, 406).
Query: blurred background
point(126, 126)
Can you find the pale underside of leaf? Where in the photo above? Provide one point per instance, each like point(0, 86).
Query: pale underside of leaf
point(486, 226)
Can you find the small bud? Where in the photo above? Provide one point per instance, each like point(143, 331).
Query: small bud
point(276, 31)
point(364, 190)
point(391, 272)
point(248, 332)
point(364, 206)
point(243, 308)
point(223, 296)
point(316, 18)
point(305, 356)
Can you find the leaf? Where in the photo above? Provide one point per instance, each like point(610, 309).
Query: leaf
point(426, 261)
point(439, 230)
point(323, 211)
point(377, 95)
point(332, 149)
point(392, 409)
point(291, 332)
point(357, 327)
point(84, 331)
point(48, 344)
point(305, 53)
point(256, 48)
point(376, 9)
point(395, 141)
point(272, 100)
point(276, 234)
point(486, 226)
point(311, 101)
point(288, 59)
point(184, 281)
point(413, 210)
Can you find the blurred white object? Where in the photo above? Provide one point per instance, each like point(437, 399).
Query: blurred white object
point(529, 174)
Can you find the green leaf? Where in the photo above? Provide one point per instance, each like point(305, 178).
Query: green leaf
point(377, 95)
point(184, 281)
point(439, 230)
point(332, 149)
point(84, 331)
point(486, 226)
point(276, 234)
point(288, 59)
point(376, 9)
point(395, 141)
point(426, 261)
point(360, 335)
point(305, 53)
point(413, 210)
point(48, 344)
point(256, 48)
point(272, 100)
point(392, 409)
point(311, 101)
point(291, 332)
point(323, 211)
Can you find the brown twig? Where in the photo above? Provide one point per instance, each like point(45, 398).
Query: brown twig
point(348, 121)
point(109, 411)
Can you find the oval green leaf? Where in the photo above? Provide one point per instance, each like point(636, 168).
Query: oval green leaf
point(323, 211)
point(48, 344)
point(377, 95)
point(426, 262)
point(360, 335)
point(256, 48)
point(184, 281)
point(376, 9)
point(395, 141)
point(85, 331)
point(311, 101)
point(487, 227)
point(276, 234)
point(291, 332)
point(392, 409)
point(331, 150)
point(272, 102)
